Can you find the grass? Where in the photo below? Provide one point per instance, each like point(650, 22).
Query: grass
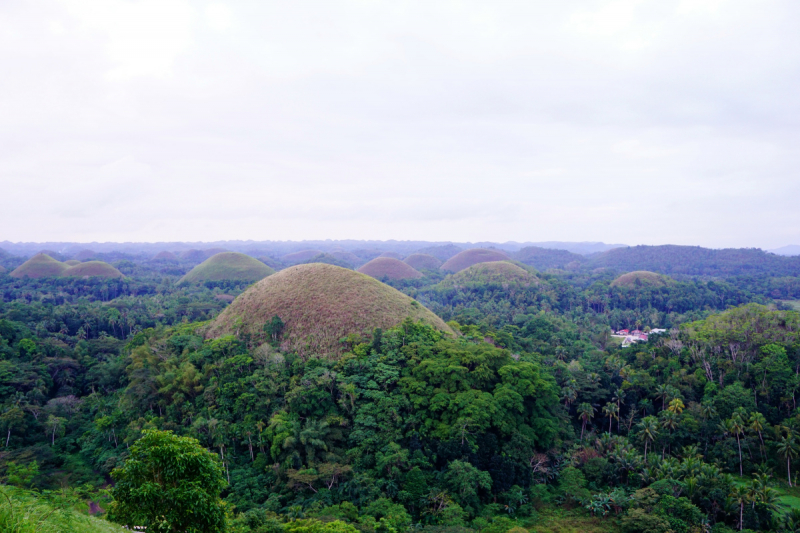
point(39, 266)
point(23, 511)
point(319, 305)
point(641, 277)
point(92, 268)
point(794, 304)
point(559, 520)
point(423, 262)
point(389, 267)
point(467, 258)
point(502, 273)
point(72, 262)
point(228, 266)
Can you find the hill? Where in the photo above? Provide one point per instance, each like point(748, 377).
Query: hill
point(39, 266)
point(545, 258)
point(84, 255)
point(389, 268)
point(271, 262)
point(165, 256)
point(200, 255)
point(697, 261)
point(228, 266)
point(300, 257)
point(2, 269)
point(638, 278)
point(792, 249)
point(467, 258)
point(443, 252)
point(328, 259)
point(393, 255)
point(348, 258)
point(502, 273)
point(319, 304)
point(90, 269)
point(423, 262)
point(72, 262)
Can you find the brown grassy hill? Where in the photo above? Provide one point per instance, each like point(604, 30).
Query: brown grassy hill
point(200, 255)
point(348, 257)
point(271, 262)
point(319, 305)
point(467, 258)
point(442, 252)
point(502, 273)
point(39, 266)
point(639, 278)
point(84, 255)
point(2, 269)
point(389, 267)
point(393, 255)
point(90, 269)
point(165, 256)
point(228, 266)
point(72, 262)
point(423, 262)
point(300, 257)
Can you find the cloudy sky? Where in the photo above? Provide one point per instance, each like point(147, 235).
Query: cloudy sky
point(643, 122)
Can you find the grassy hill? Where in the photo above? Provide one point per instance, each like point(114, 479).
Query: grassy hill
point(545, 258)
point(228, 266)
point(165, 256)
point(393, 255)
point(348, 258)
point(271, 262)
point(2, 269)
point(300, 257)
point(423, 262)
point(697, 261)
point(467, 258)
point(72, 262)
point(443, 252)
point(85, 255)
point(319, 305)
point(92, 268)
point(200, 255)
point(329, 259)
point(638, 278)
point(493, 273)
point(39, 266)
point(389, 267)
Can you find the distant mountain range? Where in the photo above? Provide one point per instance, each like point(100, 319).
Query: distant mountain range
point(792, 249)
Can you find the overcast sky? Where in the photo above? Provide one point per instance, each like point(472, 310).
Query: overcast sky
point(619, 121)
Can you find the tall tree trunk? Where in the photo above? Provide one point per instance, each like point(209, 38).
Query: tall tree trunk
point(740, 453)
point(9, 437)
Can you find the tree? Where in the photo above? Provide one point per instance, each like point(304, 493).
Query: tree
point(169, 484)
point(757, 424)
point(735, 426)
point(787, 448)
point(739, 497)
point(649, 431)
point(585, 413)
point(611, 410)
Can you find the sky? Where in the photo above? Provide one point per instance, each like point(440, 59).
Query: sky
point(641, 122)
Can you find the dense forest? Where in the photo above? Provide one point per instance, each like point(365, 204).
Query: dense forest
point(527, 414)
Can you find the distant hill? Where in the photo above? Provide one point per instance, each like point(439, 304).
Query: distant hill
point(502, 273)
point(390, 268)
point(328, 259)
point(39, 266)
point(423, 262)
point(393, 255)
point(467, 258)
point(2, 269)
point(227, 266)
point(300, 257)
point(792, 249)
point(165, 256)
point(545, 258)
point(91, 269)
point(84, 255)
point(697, 261)
point(72, 262)
point(442, 252)
point(583, 248)
point(200, 255)
point(319, 305)
point(640, 278)
point(348, 258)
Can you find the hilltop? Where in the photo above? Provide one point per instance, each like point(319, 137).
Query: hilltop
point(165, 256)
point(39, 266)
point(640, 278)
point(300, 257)
point(228, 266)
point(389, 267)
point(493, 273)
point(467, 258)
point(72, 262)
point(423, 262)
point(92, 268)
point(393, 255)
point(545, 258)
point(200, 255)
point(319, 304)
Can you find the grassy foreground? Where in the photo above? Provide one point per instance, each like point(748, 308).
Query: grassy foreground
point(22, 511)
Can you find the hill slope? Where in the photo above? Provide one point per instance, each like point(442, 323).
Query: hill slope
point(492, 273)
point(544, 258)
point(300, 257)
point(473, 256)
point(640, 277)
point(39, 266)
point(165, 256)
point(389, 267)
point(319, 304)
point(697, 261)
point(92, 268)
point(423, 261)
point(228, 266)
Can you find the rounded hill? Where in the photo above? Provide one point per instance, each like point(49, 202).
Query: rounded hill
point(165, 256)
point(200, 255)
point(640, 278)
point(91, 269)
point(84, 255)
point(300, 257)
point(319, 304)
point(467, 258)
point(390, 268)
point(232, 266)
point(423, 262)
point(492, 273)
point(39, 266)
point(2, 269)
point(72, 262)
point(393, 255)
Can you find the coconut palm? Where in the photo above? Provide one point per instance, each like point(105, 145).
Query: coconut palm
point(787, 448)
point(619, 398)
point(757, 422)
point(738, 498)
point(585, 413)
point(669, 421)
point(649, 431)
point(734, 426)
point(611, 411)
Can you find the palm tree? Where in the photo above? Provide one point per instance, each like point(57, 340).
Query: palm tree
point(585, 413)
point(663, 392)
point(669, 421)
point(739, 496)
point(649, 431)
point(787, 448)
point(619, 398)
point(611, 411)
point(736, 427)
point(757, 424)
point(676, 406)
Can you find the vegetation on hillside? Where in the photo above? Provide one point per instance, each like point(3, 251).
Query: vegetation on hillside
point(467, 258)
point(231, 266)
